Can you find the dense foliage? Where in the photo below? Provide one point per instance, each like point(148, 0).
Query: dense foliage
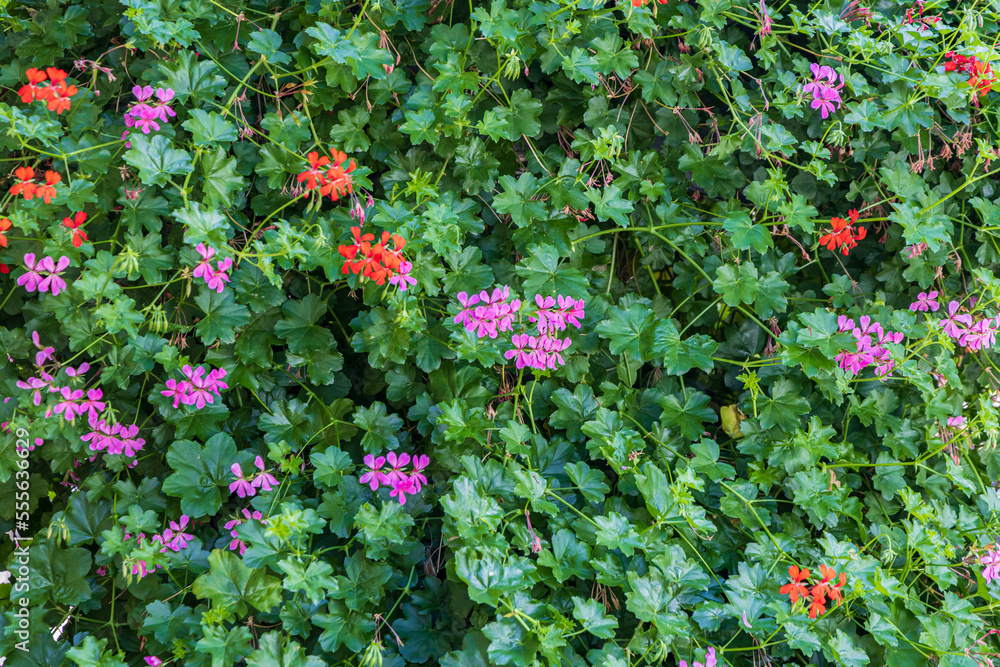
point(559, 333)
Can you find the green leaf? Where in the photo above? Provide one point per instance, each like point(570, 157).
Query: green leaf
point(737, 283)
point(223, 316)
point(157, 159)
point(522, 115)
point(299, 329)
point(591, 615)
point(490, 575)
point(267, 43)
point(745, 233)
point(200, 473)
point(543, 274)
point(690, 417)
point(209, 128)
point(610, 205)
point(379, 426)
point(628, 330)
point(681, 356)
point(221, 179)
point(784, 407)
point(232, 586)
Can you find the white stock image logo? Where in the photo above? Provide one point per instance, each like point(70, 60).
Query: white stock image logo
point(20, 564)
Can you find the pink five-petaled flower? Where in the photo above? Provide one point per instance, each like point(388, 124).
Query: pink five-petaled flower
point(825, 93)
point(991, 559)
point(402, 486)
point(953, 321)
point(396, 465)
point(420, 462)
point(33, 278)
point(231, 525)
point(523, 352)
point(68, 406)
point(153, 661)
point(93, 403)
point(925, 302)
point(403, 279)
point(264, 480)
point(215, 278)
point(52, 270)
point(710, 660)
point(243, 487)
point(44, 354)
point(374, 476)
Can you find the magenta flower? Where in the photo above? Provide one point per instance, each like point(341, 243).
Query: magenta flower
point(396, 465)
point(420, 462)
point(263, 480)
point(153, 661)
point(52, 280)
point(954, 324)
point(93, 403)
point(160, 109)
point(710, 660)
point(231, 525)
point(33, 278)
point(197, 388)
point(991, 559)
point(925, 302)
point(242, 486)
point(572, 310)
point(80, 370)
point(957, 422)
point(68, 407)
point(824, 89)
point(403, 279)
point(44, 354)
point(523, 351)
point(401, 487)
point(374, 476)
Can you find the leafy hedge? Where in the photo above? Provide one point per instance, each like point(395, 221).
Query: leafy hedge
point(565, 333)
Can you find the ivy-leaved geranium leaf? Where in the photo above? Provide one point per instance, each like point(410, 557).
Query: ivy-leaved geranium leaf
point(737, 283)
point(610, 205)
point(349, 133)
point(784, 406)
point(209, 128)
point(745, 233)
point(842, 649)
point(688, 417)
point(267, 43)
point(232, 586)
point(542, 274)
point(628, 330)
point(288, 130)
point(91, 652)
point(225, 647)
point(593, 618)
point(221, 178)
point(680, 356)
point(156, 158)
point(799, 213)
point(522, 115)
point(200, 473)
point(276, 650)
point(187, 76)
point(420, 125)
point(771, 298)
point(379, 426)
point(59, 572)
point(491, 574)
point(223, 316)
point(203, 224)
point(615, 532)
point(520, 199)
point(590, 482)
point(299, 329)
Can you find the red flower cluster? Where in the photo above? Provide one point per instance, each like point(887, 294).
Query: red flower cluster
point(57, 93)
point(29, 189)
point(817, 594)
point(843, 235)
point(333, 180)
point(981, 75)
point(4, 226)
point(75, 223)
point(640, 3)
point(376, 261)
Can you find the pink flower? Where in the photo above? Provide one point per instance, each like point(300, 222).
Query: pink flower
point(242, 486)
point(160, 109)
point(396, 465)
point(572, 310)
point(523, 351)
point(710, 660)
point(991, 559)
point(264, 480)
point(373, 477)
point(953, 320)
point(403, 279)
point(44, 354)
point(93, 403)
point(179, 538)
point(68, 406)
point(420, 462)
point(52, 280)
point(958, 422)
point(401, 487)
point(33, 278)
point(925, 302)
point(80, 370)
point(153, 661)
point(231, 525)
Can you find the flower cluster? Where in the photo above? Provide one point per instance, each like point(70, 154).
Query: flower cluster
point(401, 481)
point(971, 333)
point(174, 538)
point(816, 594)
point(710, 660)
point(215, 278)
point(488, 315)
point(991, 559)
point(29, 189)
point(377, 261)
point(74, 224)
point(57, 93)
point(870, 348)
point(332, 178)
point(197, 389)
point(246, 486)
point(231, 525)
point(114, 439)
point(843, 234)
point(145, 114)
point(824, 89)
point(44, 275)
point(981, 75)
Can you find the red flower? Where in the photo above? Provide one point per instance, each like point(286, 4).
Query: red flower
point(59, 96)
point(376, 262)
point(56, 75)
point(32, 91)
point(79, 236)
point(818, 606)
point(314, 175)
point(843, 235)
point(47, 190)
point(4, 268)
point(338, 179)
point(4, 226)
point(25, 185)
point(794, 590)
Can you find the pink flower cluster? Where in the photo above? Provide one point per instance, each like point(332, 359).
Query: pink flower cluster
point(401, 481)
point(710, 659)
point(870, 349)
point(824, 89)
point(44, 275)
point(197, 389)
point(490, 314)
point(174, 538)
point(231, 525)
point(991, 559)
point(215, 278)
point(971, 333)
point(246, 486)
point(113, 439)
point(143, 114)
